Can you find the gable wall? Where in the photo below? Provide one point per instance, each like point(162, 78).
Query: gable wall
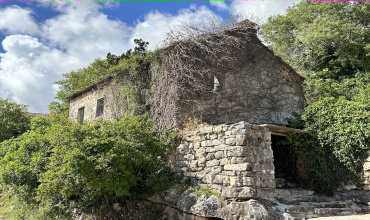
point(259, 88)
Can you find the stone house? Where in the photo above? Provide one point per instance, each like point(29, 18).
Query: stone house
point(245, 103)
point(254, 86)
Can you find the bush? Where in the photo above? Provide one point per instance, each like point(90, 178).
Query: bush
point(58, 167)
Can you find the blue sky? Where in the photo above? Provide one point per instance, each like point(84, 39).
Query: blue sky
point(42, 40)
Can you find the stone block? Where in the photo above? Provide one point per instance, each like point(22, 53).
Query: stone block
point(224, 161)
point(201, 161)
point(248, 181)
point(208, 178)
point(220, 147)
point(235, 151)
point(206, 143)
point(206, 130)
point(242, 167)
point(267, 193)
point(235, 181)
point(193, 163)
point(230, 141)
point(212, 163)
point(219, 179)
point(241, 140)
point(210, 156)
point(238, 192)
point(216, 142)
point(219, 154)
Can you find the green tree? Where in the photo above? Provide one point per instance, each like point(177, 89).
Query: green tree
point(329, 44)
point(56, 167)
point(13, 119)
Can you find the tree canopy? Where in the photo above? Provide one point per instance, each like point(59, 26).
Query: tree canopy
point(329, 44)
point(13, 119)
point(59, 166)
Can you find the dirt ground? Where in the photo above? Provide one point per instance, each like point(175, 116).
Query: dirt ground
point(352, 217)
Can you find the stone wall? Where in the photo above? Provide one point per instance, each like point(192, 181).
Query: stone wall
point(236, 160)
point(367, 173)
point(88, 99)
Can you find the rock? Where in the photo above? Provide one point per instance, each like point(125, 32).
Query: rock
point(242, 166)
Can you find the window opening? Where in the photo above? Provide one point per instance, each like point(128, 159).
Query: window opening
point(80, 114)
point(99, 107)
point(216, 84)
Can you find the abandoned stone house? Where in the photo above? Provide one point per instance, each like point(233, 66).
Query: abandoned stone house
point(246, 103)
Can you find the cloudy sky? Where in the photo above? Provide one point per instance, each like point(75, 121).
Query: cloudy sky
point(42, 40)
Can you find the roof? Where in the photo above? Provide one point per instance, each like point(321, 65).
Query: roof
point(281, 130)
point(95, 85)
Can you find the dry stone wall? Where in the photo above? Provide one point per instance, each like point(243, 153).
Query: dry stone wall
point(236, 160)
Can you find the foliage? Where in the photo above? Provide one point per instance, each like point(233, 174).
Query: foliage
point(343, 126)
point(76, 81)
point(56, 167)
point(316, 166)
point(13, 119)
point(314, 36)
point(130, 65)
point(204, 190)
point(329, 45)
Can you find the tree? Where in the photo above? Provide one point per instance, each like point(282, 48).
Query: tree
point(13, 119)
point(59, 166)
point(329, 44)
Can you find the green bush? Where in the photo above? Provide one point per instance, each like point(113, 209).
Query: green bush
point(61, 166)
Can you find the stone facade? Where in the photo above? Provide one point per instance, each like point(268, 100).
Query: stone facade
point(237, 160)
point(87, 100)
point(254, 85)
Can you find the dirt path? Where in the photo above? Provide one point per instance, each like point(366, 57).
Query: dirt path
point(352, 217)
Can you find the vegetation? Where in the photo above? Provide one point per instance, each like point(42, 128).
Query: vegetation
point(56, 167)
point(329, 44)
point(13, 119)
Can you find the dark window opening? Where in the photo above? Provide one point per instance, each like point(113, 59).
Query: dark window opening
point(99, 107)
point(80, 114)
point(284, 164)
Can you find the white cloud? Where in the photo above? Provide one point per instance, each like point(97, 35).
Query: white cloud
point(80, 33)
point(17, 20)
point(36, 55)
point(156, 24)
point(219, 5)
point(259, 10)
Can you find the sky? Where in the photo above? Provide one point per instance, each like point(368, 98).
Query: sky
point(42, 40)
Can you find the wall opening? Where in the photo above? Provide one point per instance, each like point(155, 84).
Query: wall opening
point(218, 84)
point(99, 107)
point(80, 114)
point(284, 166)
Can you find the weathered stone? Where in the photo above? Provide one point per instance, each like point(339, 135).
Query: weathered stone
point(224, 161)
point(230, 141)
point(248, 181)
point(235, 151)
point(235, 181)
point(216, 142)
point(238, 192)
point(241, 140)
point(210, 156)
point(219, 154)
point(194, 164)
point(212, 163)
point(207, 143)
point(243, 166)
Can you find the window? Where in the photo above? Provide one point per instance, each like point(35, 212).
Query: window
point(80, 114)
point(216, 84)
point(99, 107)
